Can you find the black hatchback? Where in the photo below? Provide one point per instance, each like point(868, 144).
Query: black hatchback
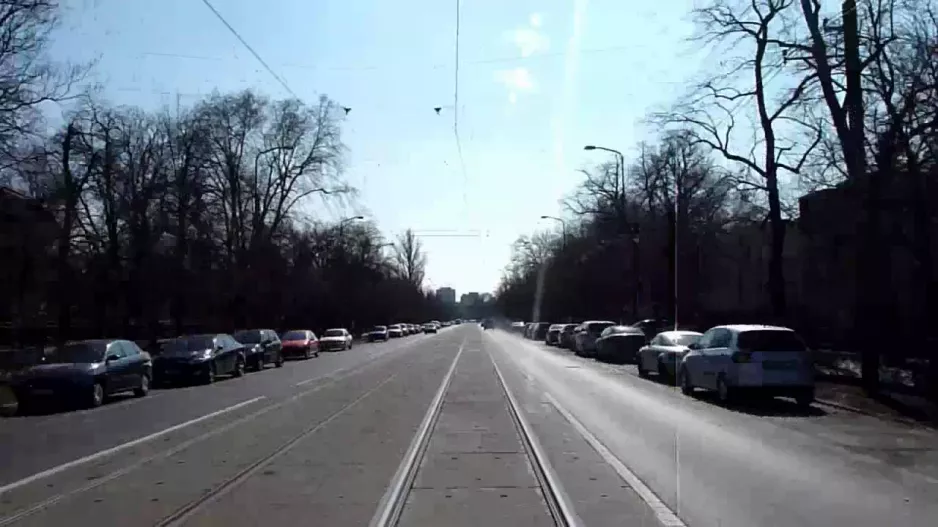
point(263, 347)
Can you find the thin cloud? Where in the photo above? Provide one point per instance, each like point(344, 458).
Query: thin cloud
point(516, 81)
point(529, 40)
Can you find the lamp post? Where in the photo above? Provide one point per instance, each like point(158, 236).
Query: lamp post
point(563, 226)
point(346, 221)
point(633, 229)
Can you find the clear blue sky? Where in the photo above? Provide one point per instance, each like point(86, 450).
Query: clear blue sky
point(538, 79)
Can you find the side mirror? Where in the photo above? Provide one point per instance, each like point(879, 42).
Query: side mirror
point(112, 357)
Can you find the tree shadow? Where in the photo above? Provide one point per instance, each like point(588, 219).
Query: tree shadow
point(763, 406)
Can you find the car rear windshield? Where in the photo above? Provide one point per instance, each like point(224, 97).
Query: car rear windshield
point(187, 344)
point(597, 327)
point(78, 353)
point(248, 337)
point(770, 340)
point(293, 335)
point(685, 340)
point(379, 328)
point(334, 333)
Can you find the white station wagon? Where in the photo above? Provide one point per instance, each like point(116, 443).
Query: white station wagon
point(768, 360)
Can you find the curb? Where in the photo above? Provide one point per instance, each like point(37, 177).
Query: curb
point(898, 419)
point(853, 409)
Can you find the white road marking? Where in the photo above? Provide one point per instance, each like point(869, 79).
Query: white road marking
point(123, 446)
point(665, 515)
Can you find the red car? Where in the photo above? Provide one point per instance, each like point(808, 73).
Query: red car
point(300, 343)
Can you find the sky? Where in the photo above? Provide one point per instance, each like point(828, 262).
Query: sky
point(537, 80)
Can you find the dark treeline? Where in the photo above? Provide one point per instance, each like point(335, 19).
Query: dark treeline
point(794, 184)
point(128, 222)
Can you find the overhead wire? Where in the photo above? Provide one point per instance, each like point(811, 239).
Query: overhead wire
point(250, 49)
point(462, 162)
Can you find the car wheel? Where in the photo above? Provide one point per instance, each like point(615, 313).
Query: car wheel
point(279, 362)
point(663, 372)
point(96, 398)
point(307, 354)
point(239, 367)
point(724, 395)
point(686, 387)
point(642, 372)
point(258, 364)
point(210, 374)
point(144, 387)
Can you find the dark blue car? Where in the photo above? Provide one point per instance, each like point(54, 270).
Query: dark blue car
point(86, 372)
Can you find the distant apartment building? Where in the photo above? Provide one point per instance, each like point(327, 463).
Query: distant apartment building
point(469, 299)
point(447, 295)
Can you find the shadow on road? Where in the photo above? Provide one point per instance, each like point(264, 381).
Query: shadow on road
point(764, 406)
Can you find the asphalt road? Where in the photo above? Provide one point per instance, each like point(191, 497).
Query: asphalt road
point(764, 464)
point(460, 428)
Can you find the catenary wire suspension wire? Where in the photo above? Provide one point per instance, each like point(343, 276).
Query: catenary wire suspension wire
point(250, 49)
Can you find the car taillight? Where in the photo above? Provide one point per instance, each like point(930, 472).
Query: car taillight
point(742, 357)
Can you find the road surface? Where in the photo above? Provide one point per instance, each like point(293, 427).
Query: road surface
point(460, 428)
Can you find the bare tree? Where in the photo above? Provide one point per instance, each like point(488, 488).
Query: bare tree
point(759, 26)
point(27, 78)
point(410, 259)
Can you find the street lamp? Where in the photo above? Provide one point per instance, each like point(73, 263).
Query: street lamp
point(563, 226)
point(620, 174)
point(348, 220)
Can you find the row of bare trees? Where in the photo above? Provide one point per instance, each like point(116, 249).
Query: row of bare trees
point(142, 222)
point(803, 98)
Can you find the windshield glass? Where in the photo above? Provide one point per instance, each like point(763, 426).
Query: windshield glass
point(379, 328)
point(598, 327)
point(334, 333)
point(770, 340)
point(252, 336)
point(290, 335)
point(79, 353)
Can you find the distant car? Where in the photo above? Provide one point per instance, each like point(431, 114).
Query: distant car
point(619, 344)
point(395, 331)
point(664, 353)
point(84, 372)
point(336, 339)
point(586, 335)
point(377, 334)
point(517, 327)
point(200, 358)
point(264, 347)
point(488, 324)
point(566, 336)
point(429, 328)
point(299, 343)
point(553, 334)
point(768, 360)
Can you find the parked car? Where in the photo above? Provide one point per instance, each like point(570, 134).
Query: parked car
point(488, 323)
point(430, 328)
point(653, 326)
point(517, 327)
point(299, 343)
point(395, 331)
point(265, 348)
point(86, 372)
point(336, 339)
point(664, 353)
point(553, 334)
point(766, 360)
point(377, 334)
point(586, 335)
point(539, 331)
point(566, 336)
point(199, 358)
point(619, 344)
